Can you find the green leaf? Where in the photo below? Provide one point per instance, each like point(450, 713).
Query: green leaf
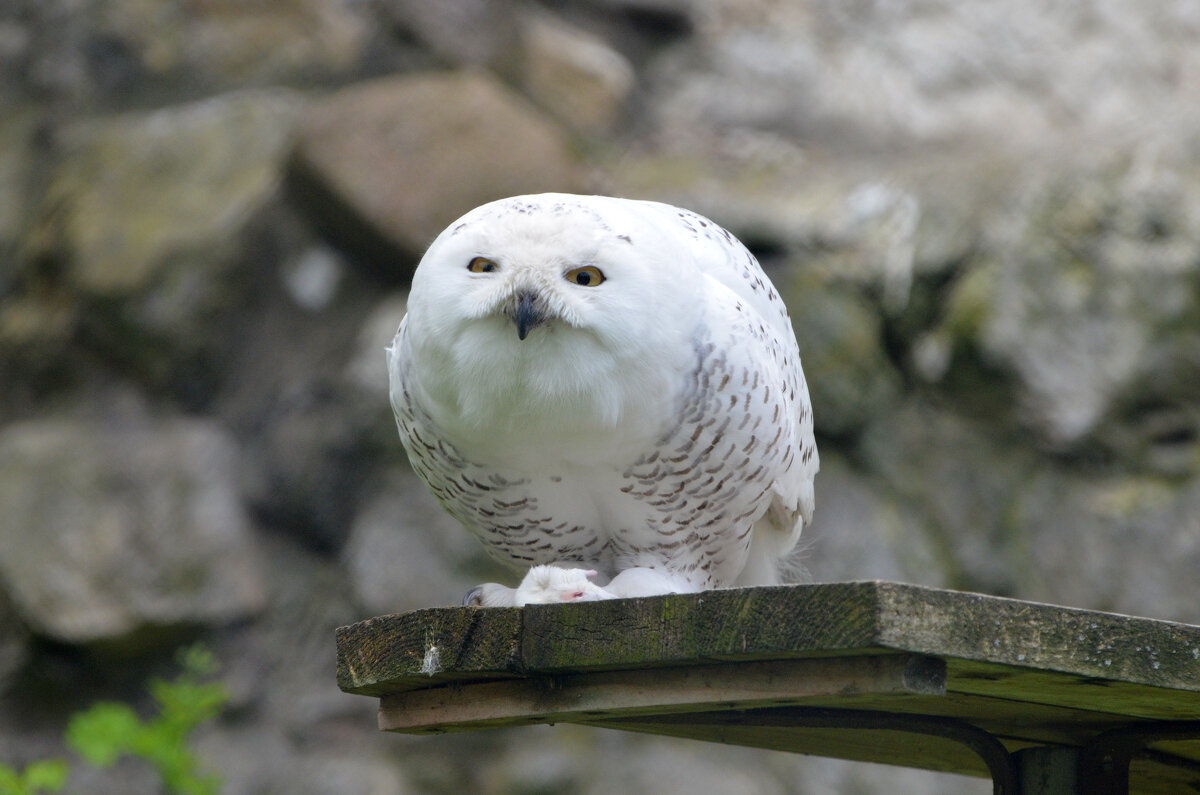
point(107, 730)
point(10, 782)
point(103, 732)
point(46, 774)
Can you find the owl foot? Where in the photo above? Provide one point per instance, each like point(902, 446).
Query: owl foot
point(542, 585)
point(550, 584)
point(641, 581)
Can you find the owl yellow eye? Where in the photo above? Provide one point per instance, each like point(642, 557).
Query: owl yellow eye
point(482, 265)
point(587, 276)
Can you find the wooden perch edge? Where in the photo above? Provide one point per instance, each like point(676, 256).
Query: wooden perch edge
point(872, 671)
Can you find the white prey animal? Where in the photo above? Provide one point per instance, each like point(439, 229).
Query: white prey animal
point(608, 387)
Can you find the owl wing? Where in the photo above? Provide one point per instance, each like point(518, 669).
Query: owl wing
point(721, 257)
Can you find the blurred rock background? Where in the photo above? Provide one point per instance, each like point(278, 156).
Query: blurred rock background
point(985, 218)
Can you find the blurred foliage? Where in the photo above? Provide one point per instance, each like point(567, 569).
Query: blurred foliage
point(108, 730)
point(45, 775)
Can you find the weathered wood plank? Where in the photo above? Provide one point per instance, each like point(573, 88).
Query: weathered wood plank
point(425, 647)
point(733, 624)
point(735, 666)
point(393, 653)
point(1033, 636)
point(598, 696)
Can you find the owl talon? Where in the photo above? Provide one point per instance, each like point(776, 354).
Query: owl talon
point(490, 594)
point(474, 597)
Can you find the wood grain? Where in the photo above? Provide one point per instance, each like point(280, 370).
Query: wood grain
point(727, 666)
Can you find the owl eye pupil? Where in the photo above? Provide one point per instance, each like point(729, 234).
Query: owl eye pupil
point(587, 276)
point(481, 265)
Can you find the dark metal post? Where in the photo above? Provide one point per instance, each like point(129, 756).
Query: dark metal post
point(1048, 770)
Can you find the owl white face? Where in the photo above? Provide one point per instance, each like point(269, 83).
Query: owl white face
point(542, 265)
point(548, 303)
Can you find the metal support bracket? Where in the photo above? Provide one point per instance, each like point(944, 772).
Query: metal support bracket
point(999, 763)
point(1100, 768)
point(991, 751)
point(1104, 763)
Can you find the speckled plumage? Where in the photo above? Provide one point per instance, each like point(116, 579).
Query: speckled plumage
point(654, 427)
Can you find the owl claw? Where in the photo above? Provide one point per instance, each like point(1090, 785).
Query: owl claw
point(474, 597)
point(490, 594)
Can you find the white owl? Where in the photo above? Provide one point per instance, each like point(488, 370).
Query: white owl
point(601, 387)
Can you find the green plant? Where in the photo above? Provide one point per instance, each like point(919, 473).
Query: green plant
point(108, 730)
point(45, 775)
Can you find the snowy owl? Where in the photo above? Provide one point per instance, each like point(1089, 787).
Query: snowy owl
point(608, 394)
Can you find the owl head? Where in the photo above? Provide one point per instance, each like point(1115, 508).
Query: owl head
point(553, 307)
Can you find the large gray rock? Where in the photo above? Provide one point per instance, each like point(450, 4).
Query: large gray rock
point(144, 217)
point(1094, 267)
point(386, 165)
point(869, 76)
point(574, 74)
point(1126, 542)
point(240, 44)
point(92, 51)
point(474, 33)
point(137, 199)
point(108, 530)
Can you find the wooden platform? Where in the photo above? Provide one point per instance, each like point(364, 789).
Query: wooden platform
point(1043, 699)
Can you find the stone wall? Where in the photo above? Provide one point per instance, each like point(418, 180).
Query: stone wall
point(985, 219)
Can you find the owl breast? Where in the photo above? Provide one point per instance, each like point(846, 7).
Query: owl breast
point(679, 482)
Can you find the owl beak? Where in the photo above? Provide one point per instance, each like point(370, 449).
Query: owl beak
point(528, 313)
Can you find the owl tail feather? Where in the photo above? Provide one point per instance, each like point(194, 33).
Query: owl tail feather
point(775, 534)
